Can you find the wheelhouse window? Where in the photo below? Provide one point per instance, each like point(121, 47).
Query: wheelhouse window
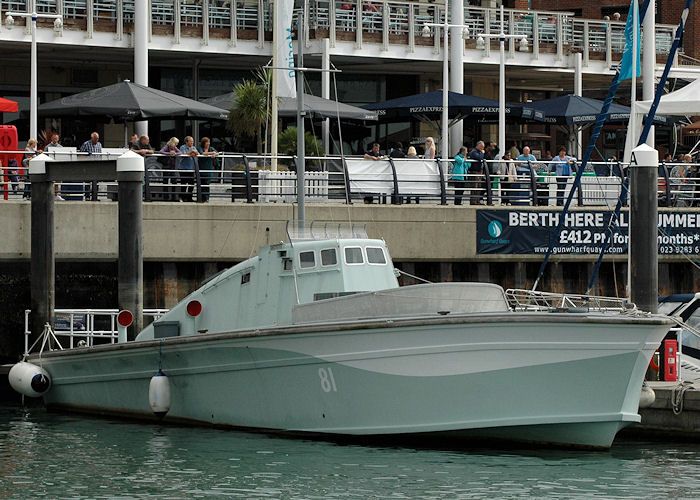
point(307, 260)
point(353, 255)
point(329, 257)
point(375, 255)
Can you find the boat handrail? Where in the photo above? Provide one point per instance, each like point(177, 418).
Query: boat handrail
point(314, 231)
point(529, 300)
point(93, 326)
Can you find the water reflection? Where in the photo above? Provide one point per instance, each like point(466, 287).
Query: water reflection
point(56, 456)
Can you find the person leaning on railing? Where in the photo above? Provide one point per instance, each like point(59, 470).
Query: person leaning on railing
point(508, 175)
point(477, 182)
point(207, 164)
point(373, 154)
point(170, 173)
point(459, 175)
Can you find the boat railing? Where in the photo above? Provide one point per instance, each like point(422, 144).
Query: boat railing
point(91, 326)
point(313, 230)
point(531, 300)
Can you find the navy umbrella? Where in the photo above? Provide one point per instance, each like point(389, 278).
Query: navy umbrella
point(576, 110)
point(428, 107)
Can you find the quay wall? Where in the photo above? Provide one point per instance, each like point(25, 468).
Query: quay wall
point(87, 231)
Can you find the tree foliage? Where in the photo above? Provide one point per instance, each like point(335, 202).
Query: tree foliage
point(251, 111)
point(287, 143)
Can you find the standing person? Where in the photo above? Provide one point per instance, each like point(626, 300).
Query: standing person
point(508, 175)
point(514, 151)
point(476, 173)
point(30, 151)
point(397, 151)
point(429, 149)
point(490, 154)
point(142, 146)
point(526, 157)
point(207, 164)
point(170, 172)
point(132, 141)
point(373, 154)
point(93, 145)
point(459, 172)
point(186, 168)
point(561, 164)
point(55, 142)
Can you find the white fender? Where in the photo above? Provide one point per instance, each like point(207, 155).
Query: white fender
point(647, 398)
point(159, 394)
point(28, 379)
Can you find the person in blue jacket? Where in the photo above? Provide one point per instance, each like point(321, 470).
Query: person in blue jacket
point(459, 177)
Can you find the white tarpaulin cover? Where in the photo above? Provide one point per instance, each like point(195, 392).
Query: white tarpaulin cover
point(370, 176)
point(685, 101)
point(415, 177)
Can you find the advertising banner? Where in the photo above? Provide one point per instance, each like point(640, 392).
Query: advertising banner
point(286, 82)
point(584, 232)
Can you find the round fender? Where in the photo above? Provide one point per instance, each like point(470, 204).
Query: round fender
point(29, 379)
point(159, 394)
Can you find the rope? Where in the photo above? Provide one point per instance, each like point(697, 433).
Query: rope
point(678, 396)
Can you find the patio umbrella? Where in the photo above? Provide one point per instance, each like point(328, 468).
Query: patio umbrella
point(7, 106)
point(427, 107)
point(315, 107)
point(128, 101)
point(576, 110)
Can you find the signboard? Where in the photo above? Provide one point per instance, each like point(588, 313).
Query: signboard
point(584, 232)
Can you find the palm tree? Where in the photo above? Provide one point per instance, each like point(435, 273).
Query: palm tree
point(252, 108)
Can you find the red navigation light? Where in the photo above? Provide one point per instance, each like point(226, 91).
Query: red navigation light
point(125, 318)
point(194, 308)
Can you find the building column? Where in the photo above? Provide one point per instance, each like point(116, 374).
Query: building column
point(456, 132)
point(140, 37)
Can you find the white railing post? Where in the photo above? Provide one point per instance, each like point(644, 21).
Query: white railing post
point(608, 45)
point(119, 33)
point(511, 41)
point(411, 29)
point(176, 21)
point(233, 41)
point(205, 22)
point(89, 7)
point(536, 35)
point(331, 23)
point(385, 26)
point(586, 40)
point(261, 24)
point(560, 36)
point(358, 25)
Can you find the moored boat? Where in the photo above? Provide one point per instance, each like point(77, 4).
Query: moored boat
point(315, 335)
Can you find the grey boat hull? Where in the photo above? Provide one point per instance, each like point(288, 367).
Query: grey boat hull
point(568, 379)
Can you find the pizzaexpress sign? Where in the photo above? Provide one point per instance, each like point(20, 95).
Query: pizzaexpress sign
point(584, 232)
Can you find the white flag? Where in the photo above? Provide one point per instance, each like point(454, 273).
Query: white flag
point(286, 83)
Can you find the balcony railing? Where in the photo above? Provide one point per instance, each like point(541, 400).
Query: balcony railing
point(385, 22)
point(333, 179)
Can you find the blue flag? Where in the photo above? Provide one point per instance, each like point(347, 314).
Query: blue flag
point(631, 31)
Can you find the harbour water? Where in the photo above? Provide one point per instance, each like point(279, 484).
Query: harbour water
point(46, 455)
